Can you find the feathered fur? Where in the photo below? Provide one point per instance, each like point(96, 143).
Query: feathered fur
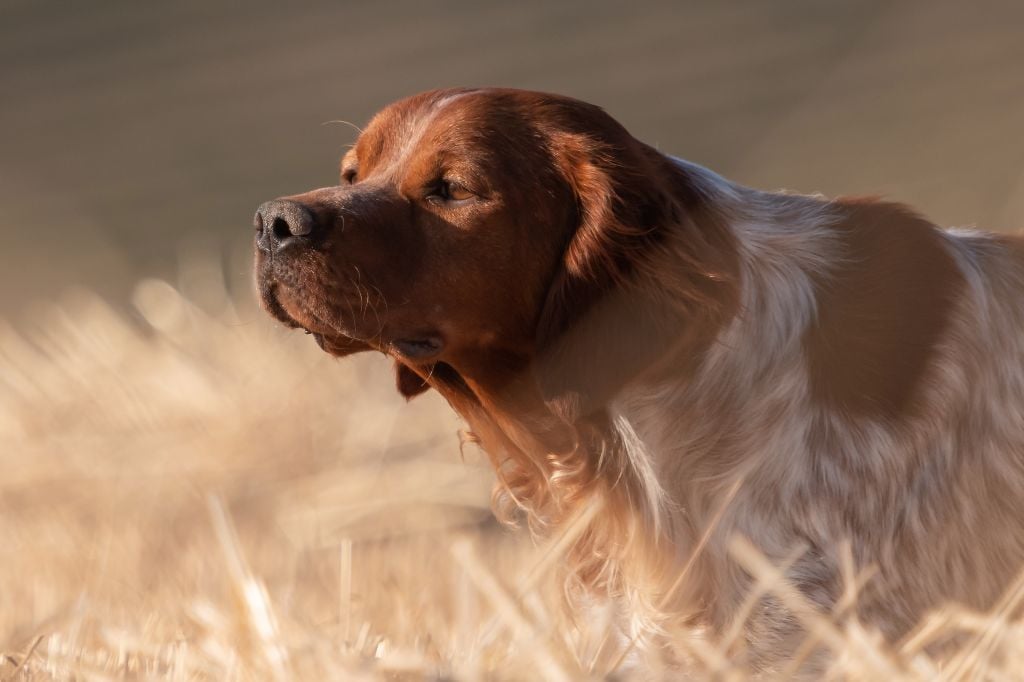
point(698, 359)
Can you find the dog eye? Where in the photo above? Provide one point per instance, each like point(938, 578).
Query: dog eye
point(447, 191)
point(458, 192)
point(350, 176)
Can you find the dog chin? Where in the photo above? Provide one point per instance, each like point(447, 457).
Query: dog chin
point(338, 346)
point(284, 306)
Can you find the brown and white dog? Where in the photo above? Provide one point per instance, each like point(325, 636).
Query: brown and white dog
point(617, 324)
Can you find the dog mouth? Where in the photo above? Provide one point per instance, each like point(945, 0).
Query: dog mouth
point(271, 303)
point(339, 345)
point(414, 347)
point(425, 348)
point(325, 336)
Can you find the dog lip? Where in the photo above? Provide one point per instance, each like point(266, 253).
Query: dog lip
point(331, 337)
point(418, 348)
point(273, 306)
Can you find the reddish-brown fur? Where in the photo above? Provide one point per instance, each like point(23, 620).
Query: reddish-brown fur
point(616, 324)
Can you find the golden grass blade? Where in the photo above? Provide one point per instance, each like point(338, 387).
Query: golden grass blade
point(256, 612)
point(549, 555)
point(871, 659)
point(507, 609)
point(844, 608)
point(684, 573)
point(25, 659)
point(969, 663)
point(345, 589)
point(761, 587)
point(112, 426)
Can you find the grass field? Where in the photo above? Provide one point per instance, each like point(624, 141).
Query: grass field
point(188, 492)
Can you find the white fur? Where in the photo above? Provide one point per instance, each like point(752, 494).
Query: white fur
point(936, 505)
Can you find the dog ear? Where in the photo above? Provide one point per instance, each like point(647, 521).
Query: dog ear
point(635, 273)
point(409, 383)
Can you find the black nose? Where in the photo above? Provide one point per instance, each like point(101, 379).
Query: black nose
point(281, 223)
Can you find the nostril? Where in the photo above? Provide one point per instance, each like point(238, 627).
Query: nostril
point(300, 223)
point(281, 229)
point(280, 222)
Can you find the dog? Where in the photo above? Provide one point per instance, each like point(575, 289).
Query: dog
point(701, 359)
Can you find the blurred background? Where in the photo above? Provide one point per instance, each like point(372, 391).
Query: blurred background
point(189, 491)
point(130, 130)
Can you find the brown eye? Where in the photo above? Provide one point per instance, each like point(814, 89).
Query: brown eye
point(447, 191)
point(458, 192)
point(350, 176)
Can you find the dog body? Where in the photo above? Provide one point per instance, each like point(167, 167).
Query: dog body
point(910, 448)
point(700, 358)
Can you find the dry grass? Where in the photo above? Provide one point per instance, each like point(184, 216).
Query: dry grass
point(189, 493)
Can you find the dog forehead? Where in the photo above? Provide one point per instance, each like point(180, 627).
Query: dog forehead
point(476, 116)
point(509, 135)
point(399, 128)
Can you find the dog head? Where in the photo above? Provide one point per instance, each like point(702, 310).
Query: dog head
point(480, 236)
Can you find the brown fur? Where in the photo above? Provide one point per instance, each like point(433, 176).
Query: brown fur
point(869, 348)
point(619, 326)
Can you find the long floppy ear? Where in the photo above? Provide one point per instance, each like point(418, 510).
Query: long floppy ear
point(639, 273)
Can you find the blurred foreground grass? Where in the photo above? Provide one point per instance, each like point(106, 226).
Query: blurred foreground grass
point(189, 492)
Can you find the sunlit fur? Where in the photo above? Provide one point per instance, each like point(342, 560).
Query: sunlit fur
point(934, 499)
point(712, 360)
